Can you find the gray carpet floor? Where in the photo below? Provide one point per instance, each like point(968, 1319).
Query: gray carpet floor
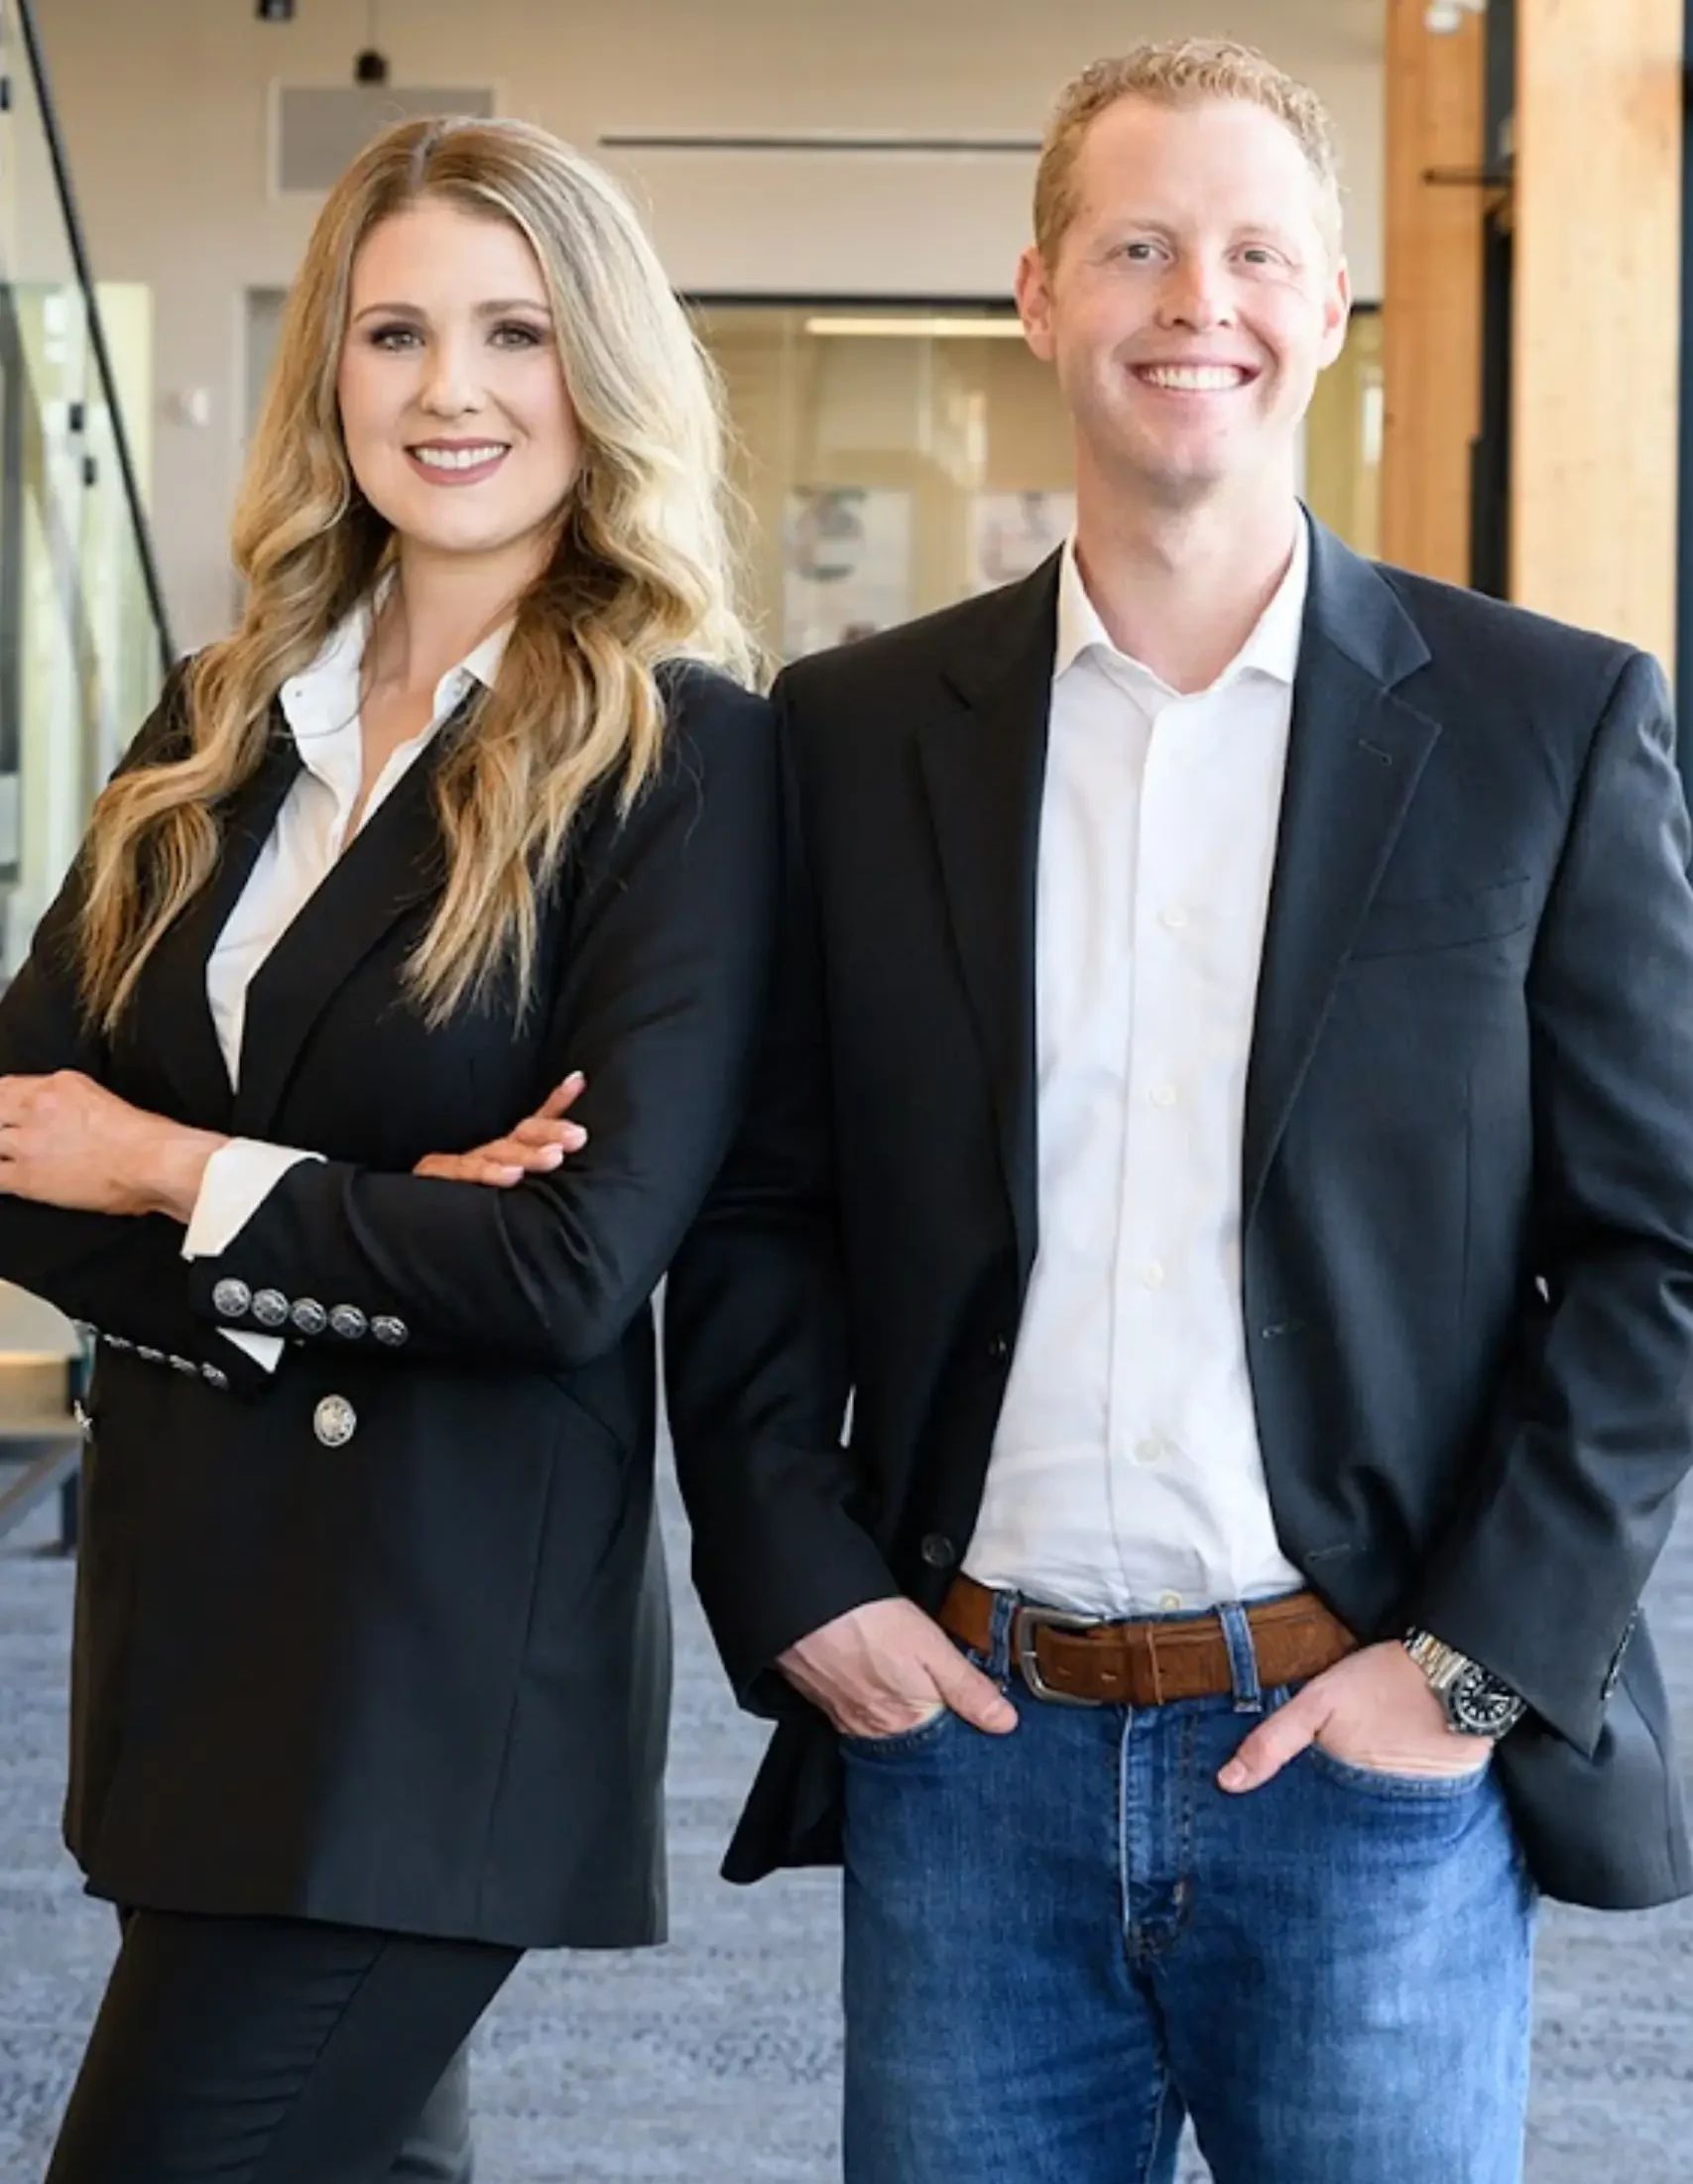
point(716, 2058)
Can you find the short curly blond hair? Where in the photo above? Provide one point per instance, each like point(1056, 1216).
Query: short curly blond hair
point(1185, 72)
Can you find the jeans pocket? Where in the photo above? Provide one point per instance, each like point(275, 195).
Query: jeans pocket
point(1375, 1782)
point(915, 1739)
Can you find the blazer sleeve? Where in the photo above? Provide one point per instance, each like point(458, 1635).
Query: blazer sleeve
point(122, 1276)
point(665, 965)
point(756, 1339)
point(1541, 1572)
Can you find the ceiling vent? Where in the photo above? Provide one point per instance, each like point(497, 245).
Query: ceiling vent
point(321, 128)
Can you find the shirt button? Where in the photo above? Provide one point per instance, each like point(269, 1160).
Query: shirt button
point(1150, 1451)
point(1164, 1096)
point(1174, 918)
point(1169, 1600)
point(999, 1348)
point(939, 1551)
point(1153, 1275)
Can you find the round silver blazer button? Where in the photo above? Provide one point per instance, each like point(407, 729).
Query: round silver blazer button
point(310, 1316)
point(335, 1421)
point(348, 1322)
point(393, 1332)
point(231, 1299)
point(269, 1308)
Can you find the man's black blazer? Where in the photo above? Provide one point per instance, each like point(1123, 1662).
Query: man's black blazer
point(1468, 1174)
point(413, 1674)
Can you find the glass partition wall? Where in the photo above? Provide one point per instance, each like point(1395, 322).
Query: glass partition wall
point(82, 639)
point(894, 460)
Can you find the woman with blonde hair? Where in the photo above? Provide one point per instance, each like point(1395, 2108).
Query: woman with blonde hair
point(471, 818)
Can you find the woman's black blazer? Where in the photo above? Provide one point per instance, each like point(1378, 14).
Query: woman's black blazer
point(383, 1638)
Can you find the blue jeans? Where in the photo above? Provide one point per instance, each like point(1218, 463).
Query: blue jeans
point(1060, 1942)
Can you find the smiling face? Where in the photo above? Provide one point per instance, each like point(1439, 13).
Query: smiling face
point(1194, 297)
point(457, 423)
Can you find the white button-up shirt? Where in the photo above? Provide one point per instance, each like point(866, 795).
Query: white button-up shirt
point(322, 708)
point(1125, 1475)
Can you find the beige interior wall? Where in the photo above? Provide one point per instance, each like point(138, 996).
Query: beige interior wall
point(168, 108)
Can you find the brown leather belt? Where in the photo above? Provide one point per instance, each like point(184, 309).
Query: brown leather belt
point(1084, 1662)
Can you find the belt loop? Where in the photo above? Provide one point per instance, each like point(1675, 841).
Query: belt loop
point(1243, 1657)
point(999, 1623)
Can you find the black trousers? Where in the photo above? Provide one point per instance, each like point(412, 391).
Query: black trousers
point(267, 2051)
point(437, 2148)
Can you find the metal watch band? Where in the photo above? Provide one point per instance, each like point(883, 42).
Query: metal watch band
point(1477, 1702)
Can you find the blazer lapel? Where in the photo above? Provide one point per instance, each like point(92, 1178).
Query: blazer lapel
point(1355, 754)
point(172, 1000)
point(984, 765)
point(392, 863)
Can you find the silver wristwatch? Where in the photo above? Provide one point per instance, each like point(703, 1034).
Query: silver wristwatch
point(1476, 1703)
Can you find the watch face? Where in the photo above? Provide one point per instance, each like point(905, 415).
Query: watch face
point(1479, 1705)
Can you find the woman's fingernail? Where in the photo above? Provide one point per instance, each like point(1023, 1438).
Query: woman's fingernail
point(575, 1137)
point(1234, 1775)
point(574, 1079)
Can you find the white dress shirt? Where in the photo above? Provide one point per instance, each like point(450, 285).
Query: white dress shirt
point(322, 709)
point(1125, 1475)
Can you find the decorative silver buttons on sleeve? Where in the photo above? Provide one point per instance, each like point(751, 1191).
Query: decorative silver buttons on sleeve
point(269, 1308)
point(273, 1311)
point(187, 1366)
point(214, 1377)
point(335, 1421)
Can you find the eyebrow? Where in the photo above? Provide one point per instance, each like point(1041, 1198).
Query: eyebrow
point(1151, 225)
point(497, 309)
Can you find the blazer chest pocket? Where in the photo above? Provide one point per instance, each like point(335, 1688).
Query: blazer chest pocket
point(1416, 925)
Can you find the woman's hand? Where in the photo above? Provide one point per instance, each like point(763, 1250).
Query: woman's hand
point(65, 1141)
point(535, 1148)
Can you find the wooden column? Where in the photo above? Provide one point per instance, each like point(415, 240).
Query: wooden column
point(1431, 309)
point(1596, 314)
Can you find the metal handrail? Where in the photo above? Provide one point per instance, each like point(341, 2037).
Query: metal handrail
point(97, 331)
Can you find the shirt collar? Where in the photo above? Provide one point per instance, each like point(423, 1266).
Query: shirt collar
point(1272, 649)
point(321, 703)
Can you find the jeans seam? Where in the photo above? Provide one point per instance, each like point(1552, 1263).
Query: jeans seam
point(1187, 1832)
point(1154, 2139)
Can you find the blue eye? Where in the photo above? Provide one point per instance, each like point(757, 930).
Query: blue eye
point(515, 334)
point(392, 338)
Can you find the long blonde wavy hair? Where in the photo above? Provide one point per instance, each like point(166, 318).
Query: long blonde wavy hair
point(641, 574)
